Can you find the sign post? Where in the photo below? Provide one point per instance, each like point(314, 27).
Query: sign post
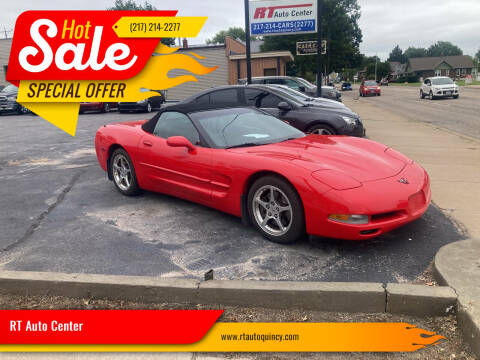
point(319, 48)
point(247, 42)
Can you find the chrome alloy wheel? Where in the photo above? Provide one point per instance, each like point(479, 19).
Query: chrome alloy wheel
point(122, 172)
point(272, 210)
point(321, 131)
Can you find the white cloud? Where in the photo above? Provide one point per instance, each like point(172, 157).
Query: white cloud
point(384, 23)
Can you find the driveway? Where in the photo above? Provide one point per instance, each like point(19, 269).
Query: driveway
point(58, 212)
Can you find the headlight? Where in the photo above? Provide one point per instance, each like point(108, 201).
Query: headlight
point(142, 101)
point(12, 98)
point(349, 219)
point(349, 120)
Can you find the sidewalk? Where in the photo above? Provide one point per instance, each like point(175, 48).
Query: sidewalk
point(451, 160)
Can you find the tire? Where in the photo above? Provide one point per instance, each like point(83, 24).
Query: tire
point(148, 108)
point(430, 95)
point(321, 129)
point(123, 173)
point(22, 110)
point(456, 96)
point(260, 205)
point(106, 108)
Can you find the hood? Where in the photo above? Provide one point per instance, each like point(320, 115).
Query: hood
point(362, 159)
point(329, 111)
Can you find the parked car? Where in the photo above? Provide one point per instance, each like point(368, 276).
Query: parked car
point(103, 107)
point(147, 105)
point(369, 87)
point(298, 84)
point(322, 102)
point(305, 117)
point(384, 82)
point(247, 163)
point(8, 101)
point(439, 86)
point(346, 86)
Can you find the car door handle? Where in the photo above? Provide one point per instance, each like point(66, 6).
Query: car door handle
point(147, 143)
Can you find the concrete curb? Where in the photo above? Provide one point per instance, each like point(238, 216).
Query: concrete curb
point(458, 266)
point(416, 300)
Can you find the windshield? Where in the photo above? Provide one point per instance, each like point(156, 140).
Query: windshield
point(229, 128)
point(370, 83)
point(10, 89)
point(297, 95)
point(442, 81)
point(305, 82)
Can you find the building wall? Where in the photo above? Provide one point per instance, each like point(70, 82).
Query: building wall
point(258, 67)
point(5, 45)
point(215, 56)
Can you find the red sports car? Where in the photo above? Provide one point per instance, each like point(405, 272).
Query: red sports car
point(369, 87)
point(250, 164)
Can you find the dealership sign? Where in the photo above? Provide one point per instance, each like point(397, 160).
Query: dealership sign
point(283, 17)
point(310, 47)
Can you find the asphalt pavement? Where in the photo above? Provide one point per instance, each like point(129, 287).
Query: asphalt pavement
point(460, 115)
point(58, 212)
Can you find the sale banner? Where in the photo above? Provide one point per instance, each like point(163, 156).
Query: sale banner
point(62, 58)
point(195, 331)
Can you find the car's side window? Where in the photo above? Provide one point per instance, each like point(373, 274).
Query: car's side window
point(172, 123)
point(270, 101)
point(253, 97)
point(275, 81)
point(227, 96)
point(427, 82)
point(292, 84)
point(204, 99)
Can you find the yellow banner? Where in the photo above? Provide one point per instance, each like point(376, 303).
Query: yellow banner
point(278, 337)
point(58, 101)
point(153, 27)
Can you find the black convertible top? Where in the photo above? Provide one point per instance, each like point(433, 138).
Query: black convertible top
point(188, 108)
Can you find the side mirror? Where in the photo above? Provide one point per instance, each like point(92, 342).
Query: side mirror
point(301, 88)
point(282, 105)
point(180, 141)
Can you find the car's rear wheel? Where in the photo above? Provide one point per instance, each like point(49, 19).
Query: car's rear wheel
point(321, 129)
point(455, 96)
point(276, 210)
point(106, 108)
point(123, 173)
point(422, 95)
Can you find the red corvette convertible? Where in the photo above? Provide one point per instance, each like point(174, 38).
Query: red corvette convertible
point(248, 163)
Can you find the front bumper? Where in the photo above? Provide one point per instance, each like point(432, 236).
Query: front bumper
point(356, 129)
point(389, 204)
point(372, 92)
point(446, 93)
point(9, 106)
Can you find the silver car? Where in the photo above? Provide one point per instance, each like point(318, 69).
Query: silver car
point(439, 86)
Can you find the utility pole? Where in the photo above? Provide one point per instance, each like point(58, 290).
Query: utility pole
point(376, 59)
point(319, 47)
point(247, 42)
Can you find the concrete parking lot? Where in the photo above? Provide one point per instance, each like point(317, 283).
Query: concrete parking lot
point(58, 212)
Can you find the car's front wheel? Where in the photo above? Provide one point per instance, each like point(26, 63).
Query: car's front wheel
point(106, 108)
point(148, 108)
point(123, 173)
point(276, 210)
point(321, 129)
point(430, 95)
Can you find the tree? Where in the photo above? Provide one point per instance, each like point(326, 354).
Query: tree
point(397, 55)
point(413, 52)
point(444, 48)
point(341, 30)
point(234, 32)
point(132, 5)
point(477, 55)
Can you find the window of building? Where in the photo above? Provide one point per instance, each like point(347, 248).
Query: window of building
point(172, 123)
point(464, 72)
point(270, 72)
point(438, 72)
point(458, 72)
